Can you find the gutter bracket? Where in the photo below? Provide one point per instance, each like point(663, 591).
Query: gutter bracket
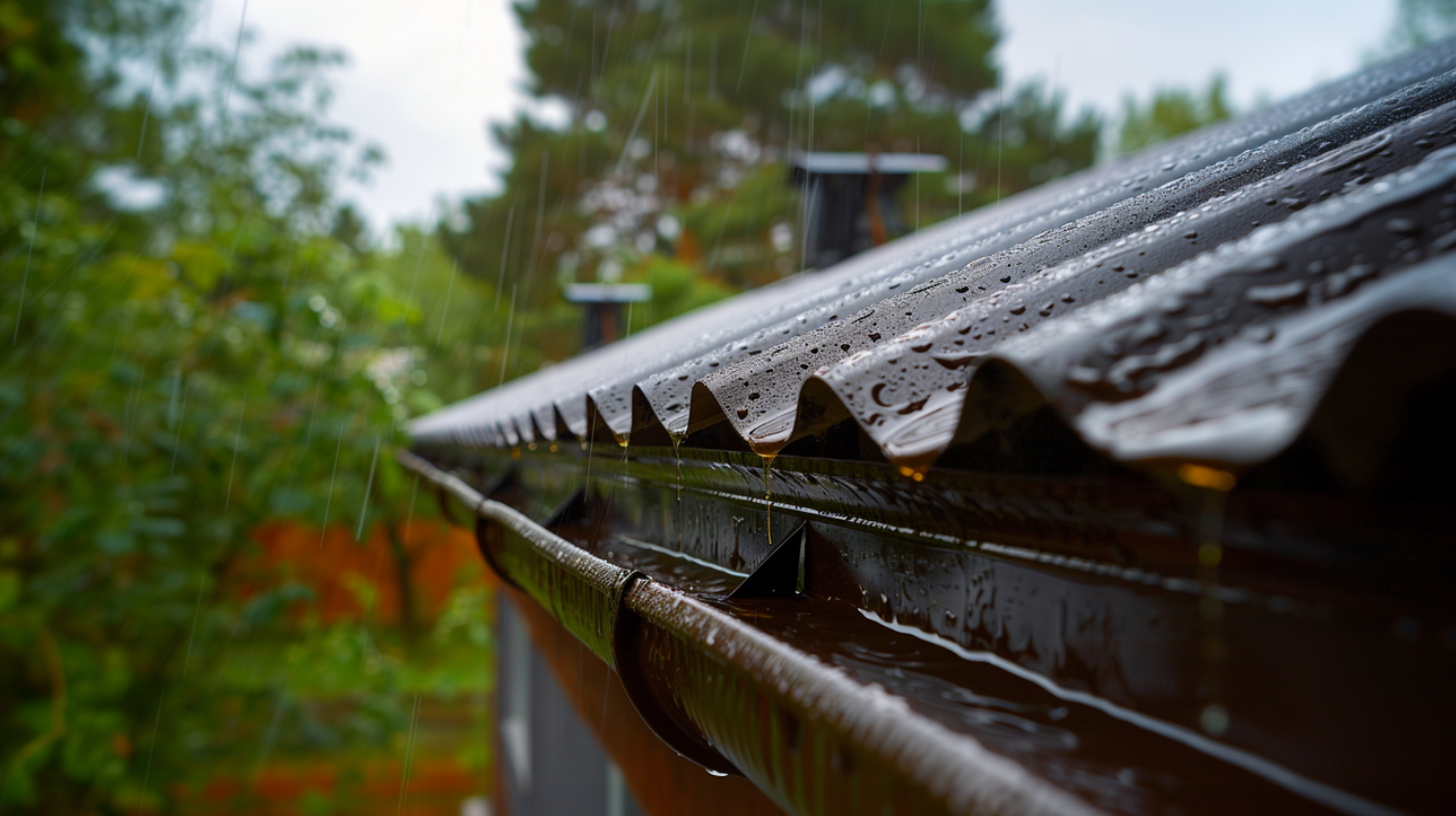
point(631, 668)
point(781, 574)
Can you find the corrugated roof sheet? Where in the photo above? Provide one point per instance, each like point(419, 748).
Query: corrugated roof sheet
point(1194, 302)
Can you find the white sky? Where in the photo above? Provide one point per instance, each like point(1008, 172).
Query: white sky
point(1100, 51)
point(426, 76)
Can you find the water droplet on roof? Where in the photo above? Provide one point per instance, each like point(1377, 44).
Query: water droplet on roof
point(1402, 226)
point(1278, 294)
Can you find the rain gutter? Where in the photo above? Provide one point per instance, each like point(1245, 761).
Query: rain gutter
point(737, 701)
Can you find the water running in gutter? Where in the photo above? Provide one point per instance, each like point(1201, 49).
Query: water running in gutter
point(767, 492)
point(1212, 491)
point(1316, 792)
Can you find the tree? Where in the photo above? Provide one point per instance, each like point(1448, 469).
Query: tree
point(194, 341)
point(1420, 23)
point(1170, 112)
point(679, 118)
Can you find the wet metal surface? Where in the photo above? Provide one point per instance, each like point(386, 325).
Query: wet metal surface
point(815, 739)
point(662, 781)
point(1104, 754)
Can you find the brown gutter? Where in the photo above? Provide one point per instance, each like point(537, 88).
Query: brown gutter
point(737, 701)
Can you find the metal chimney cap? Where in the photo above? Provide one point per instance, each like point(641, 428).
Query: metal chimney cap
point(608, 292)
point(859, 163)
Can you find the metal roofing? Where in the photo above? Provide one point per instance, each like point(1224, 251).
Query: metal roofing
point(1193, 302)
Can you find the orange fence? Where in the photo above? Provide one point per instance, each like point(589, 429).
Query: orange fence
point(438, 556)
point(437, 559)
point(435, 787)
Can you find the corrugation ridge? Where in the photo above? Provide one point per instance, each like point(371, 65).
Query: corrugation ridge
point(577, 422)
point(646, 428)
point(598, 429)
point(507, 427)
point(704, 411)
point(544, 420)
point(525, 428)
point(537, 433)
point(564, 433)
point(1250, 436)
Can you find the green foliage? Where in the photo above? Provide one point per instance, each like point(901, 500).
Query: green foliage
point(1419, 23)
point(174, 373)
point(46, 73)
point(677, 288)
point(733, 227)
point(1169, 113)
point(462, 344)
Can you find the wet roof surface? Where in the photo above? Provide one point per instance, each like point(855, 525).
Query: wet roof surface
point(1202, 301)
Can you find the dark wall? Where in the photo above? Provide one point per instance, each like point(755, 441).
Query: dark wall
point(550, 762)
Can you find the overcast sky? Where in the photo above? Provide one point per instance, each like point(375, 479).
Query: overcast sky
point(427, 76)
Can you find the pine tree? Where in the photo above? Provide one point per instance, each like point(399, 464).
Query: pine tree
point(677, 120)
